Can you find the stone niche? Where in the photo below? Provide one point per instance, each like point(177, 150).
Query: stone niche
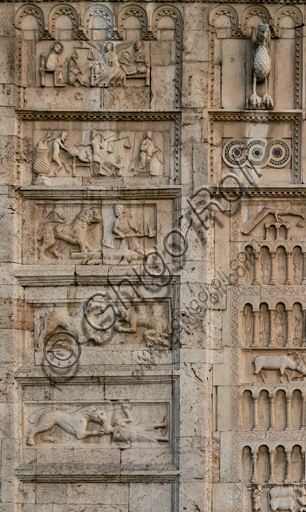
point(233, 36)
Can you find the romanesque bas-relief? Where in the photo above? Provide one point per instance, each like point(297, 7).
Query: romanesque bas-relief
point(120, 235)
point(120, 425)
point(99, 324)
point(96, 64)
point(261, 69)
point(101, 154)
point(278, 498)
point(261, 153)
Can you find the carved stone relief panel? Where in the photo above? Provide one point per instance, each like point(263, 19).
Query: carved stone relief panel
point(72, 154)
point(129, 49)
point(256, 152)
point(98, 430)
point(96, 232)
point(104, 330)
point(256, 80)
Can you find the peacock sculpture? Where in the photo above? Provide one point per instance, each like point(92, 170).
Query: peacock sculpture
point(261, 69)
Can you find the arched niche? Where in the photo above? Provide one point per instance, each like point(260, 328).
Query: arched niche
point(297, 464)
point(264, 325)
point(30, 20)
point(248, 325)
point(281, 266)
point(263, 410)
point(249, 265)
point(246, 464)
point(288, 18)
point(132, 23)
point(265, 265)
point(247, 410)
point(280, 325)
point(252, 16)
point(224, 18)
point(263, 464)
point(98, 22)
point(296, 409)
point(63, 22)
point(297, 325)
point(297, 265)
point(167, 23)
point(280, 464)
point(280, 410)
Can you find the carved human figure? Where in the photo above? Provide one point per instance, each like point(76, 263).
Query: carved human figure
point(264, 325)
point(265, 265)
point(75, 72)
point(136, 63)
point(297, 324)
point(58, 144)
point(107, 165)
point(126, 232)
point(248, 324)
point(147, 151)
point(257, 498)
point(261, 68)
point(280, 324)
point(281, 266)
point(125, 431)
point(108, 71)
point(297, 265)
point(53, 63)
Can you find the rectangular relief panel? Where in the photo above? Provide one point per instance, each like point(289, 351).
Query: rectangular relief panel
point(259, 149)
point(105, 232)
point(117, 149)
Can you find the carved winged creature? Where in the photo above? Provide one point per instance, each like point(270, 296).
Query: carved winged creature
point(261, 69)
point(107, 71)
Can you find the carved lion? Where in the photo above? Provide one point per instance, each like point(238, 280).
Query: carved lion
point(74, 233)
point(73, 423)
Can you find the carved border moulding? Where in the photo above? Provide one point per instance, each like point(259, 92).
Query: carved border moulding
point(72, 473)
point(107, 115)
point(92, 193)
point(99, 376)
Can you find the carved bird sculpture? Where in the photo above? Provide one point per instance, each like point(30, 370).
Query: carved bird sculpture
point(261, 69)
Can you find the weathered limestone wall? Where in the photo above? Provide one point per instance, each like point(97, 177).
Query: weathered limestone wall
point(153, 257)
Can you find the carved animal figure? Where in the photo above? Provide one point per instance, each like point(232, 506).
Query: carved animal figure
point(302, 499)
point(73, 423)
point(74, 323)
point(154, 333)
point(278, 212)
point(74, 233)
point(280, 363)
point(281, 499)
point(261, 68)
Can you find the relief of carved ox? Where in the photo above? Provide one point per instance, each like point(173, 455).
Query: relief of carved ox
point(281, 499)
point(280, 363)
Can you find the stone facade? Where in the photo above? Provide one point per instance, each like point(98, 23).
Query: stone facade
point(153, 257)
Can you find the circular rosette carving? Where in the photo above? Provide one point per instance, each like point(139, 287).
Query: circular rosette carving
point(62, 350)
point(234, 153)
point(278, 154)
